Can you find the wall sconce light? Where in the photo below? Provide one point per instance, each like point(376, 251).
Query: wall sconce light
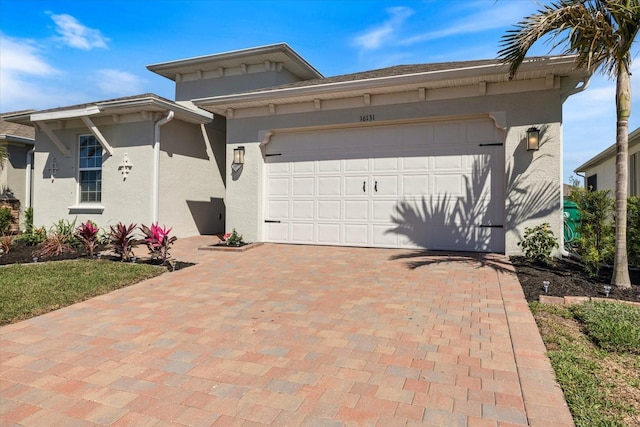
point(238, 155)
point(533, 139)
point(238, 158)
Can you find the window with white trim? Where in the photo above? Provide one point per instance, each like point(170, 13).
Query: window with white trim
point(90, 169)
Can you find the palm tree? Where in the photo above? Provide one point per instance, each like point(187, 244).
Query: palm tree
point(3, 156)
point(600, 33)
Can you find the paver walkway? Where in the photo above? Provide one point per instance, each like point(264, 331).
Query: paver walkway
point(289, 335)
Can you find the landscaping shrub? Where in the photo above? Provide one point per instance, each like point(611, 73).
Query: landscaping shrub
point(122, 240)
point(87, 234)
point(6, 242)
point(5, 220)
point(31, 236)
point(233, 239)
point(633, 230)
point(158, 241)
point(612, 326)
point(596, 245)
point(538, 243)
point(60, 239)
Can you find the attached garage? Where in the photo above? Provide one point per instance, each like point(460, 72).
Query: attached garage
point(428, 156)
point(430, 184)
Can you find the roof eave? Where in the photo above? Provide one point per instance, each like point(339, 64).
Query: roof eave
point(634, 138)
point(496, 68)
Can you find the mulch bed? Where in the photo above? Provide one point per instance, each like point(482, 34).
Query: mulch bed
point(567, 278)
point(20, 253)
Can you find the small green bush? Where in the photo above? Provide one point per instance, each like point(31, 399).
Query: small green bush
point(5, 220)
point(538, 243)
point(596, 244)
point(612, 326)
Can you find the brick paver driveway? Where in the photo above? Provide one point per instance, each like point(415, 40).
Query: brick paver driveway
point(289, 335)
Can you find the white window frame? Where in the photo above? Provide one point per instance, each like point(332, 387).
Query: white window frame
point(88, 169)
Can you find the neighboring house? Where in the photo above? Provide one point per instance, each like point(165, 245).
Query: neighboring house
point(15, 172)
point(419, 156)
point(600, 171)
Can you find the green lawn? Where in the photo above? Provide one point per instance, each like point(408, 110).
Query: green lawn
point(595, 352)
point(29, 290)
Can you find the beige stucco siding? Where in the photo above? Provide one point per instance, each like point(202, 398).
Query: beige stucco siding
point(191, 187)
point(216, 85)
point(14, 174)
point(124, 198)
point(191, 181)
point(532, 180)
point(606, 170)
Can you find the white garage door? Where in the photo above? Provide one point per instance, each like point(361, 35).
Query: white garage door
point(428, 185)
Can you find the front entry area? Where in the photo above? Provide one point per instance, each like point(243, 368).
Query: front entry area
point(434, 185)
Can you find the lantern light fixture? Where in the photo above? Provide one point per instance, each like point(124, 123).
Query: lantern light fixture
point(238, 155)
point(533, 139)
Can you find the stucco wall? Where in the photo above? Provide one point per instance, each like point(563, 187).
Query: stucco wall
point(14, 172)
point(532, 180)
point(125, 200)
point(191, 180)
point(192, 89)
point(606, 171)
point(191, 184)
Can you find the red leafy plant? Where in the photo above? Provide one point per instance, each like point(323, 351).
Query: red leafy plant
point(158, 241)
point(122, 240)
point(87, 234)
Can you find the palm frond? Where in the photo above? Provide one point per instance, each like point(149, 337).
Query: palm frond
point(599, 32)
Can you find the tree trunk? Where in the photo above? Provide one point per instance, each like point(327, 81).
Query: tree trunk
point(623, 110)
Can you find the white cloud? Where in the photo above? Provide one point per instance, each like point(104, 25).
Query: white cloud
point(74, 34)
point(499, 15)
point(119, 83)
point(22, 68)
point(22, 56)
point(376, 37)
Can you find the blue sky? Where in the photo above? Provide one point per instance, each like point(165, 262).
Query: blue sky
point(65, 52)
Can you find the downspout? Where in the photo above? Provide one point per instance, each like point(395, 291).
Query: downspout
point(577, 89)
point(29, 166)
point(155, 202)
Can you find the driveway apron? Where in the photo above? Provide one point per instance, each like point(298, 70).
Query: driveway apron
point(293, 336)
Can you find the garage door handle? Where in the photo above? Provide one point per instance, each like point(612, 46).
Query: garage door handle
point(364, 186)
point(375, 186)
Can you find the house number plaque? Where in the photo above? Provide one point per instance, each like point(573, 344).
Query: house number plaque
point(367, 117)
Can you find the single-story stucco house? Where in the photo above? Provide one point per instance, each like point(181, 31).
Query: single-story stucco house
point(415, 156)
point(15, 171)
point(600, 171)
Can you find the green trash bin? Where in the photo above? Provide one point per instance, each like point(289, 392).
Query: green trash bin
point(571, 220)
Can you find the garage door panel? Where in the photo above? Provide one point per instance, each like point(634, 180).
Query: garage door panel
point(304, 167)
point(356, 234)
point(278, 209)
point(329, 186)
point(329, 210)
point(357, 186)
point(302, 210)
point(278, 187)
point(329, 234)
point(277, 232)
point(356, 210)
point(383, 236)
point(386, 164)
point(386, 185)
point(329, 166)
point(356, 165)
point(413, 185)
point(302, 233)
point(383, 210)
point(279, 168)
point(450, 184)
point(417, 163)
point(448, 162)
point(303, 186)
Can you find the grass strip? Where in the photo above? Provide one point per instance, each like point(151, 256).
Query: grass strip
point(29, 290)
point(591, 377)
